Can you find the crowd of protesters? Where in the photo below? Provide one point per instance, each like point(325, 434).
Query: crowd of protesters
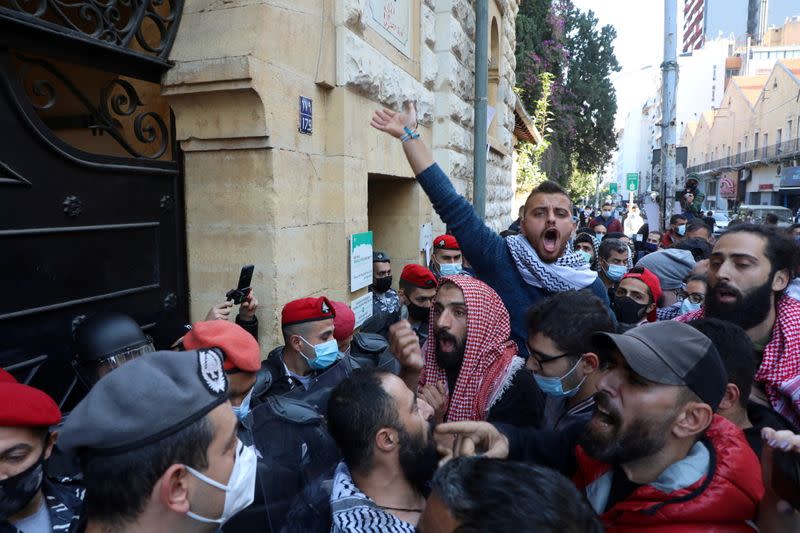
point(576, 373)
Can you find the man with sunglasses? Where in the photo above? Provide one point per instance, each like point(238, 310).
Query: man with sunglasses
point(563, 363)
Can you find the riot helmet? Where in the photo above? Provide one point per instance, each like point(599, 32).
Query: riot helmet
point(107, 341)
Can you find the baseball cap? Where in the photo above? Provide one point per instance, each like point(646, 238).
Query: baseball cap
point(649, 279)
point(670, 353)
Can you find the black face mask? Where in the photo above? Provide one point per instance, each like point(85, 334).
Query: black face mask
point(627, 310)
point(17, 491)
point(382, 284)
point(417, 313)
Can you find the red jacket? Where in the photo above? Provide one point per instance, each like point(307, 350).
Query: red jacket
point(722, 504)
point(667, 240)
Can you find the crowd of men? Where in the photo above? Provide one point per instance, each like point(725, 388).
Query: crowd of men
point(576, 373)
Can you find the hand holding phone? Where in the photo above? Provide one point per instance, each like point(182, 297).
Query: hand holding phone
point(238, 294)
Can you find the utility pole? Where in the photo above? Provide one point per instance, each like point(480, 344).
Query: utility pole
point(480, 133)
point(669, 82)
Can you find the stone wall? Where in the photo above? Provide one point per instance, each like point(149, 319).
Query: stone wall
point(259, 191)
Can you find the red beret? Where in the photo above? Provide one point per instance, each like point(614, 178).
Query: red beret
point(307, 310)
point(5, 377)
point(446, 242)
point(240, 348)
point(651, 280)
point(345, 321)
point(418, 275)
point(24, 406)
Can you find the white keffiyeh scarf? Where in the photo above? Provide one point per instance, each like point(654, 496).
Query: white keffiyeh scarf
point(568, 272)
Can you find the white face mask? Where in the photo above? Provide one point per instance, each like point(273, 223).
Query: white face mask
point(240, 490)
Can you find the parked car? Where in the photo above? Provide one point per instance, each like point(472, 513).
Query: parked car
point(757, 213)
point(721, 219)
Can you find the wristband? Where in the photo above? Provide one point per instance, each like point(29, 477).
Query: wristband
point(409, 135)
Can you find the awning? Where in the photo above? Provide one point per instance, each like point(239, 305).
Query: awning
point(524, 128)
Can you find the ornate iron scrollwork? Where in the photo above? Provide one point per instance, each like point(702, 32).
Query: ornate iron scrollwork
point(118, 99)
point(147, 26)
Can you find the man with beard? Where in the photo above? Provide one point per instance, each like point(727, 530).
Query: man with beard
point(385, 433)
point(471, 370)
point(522, 268)
point(417, 290)
point(654, 455)
point(748, 272)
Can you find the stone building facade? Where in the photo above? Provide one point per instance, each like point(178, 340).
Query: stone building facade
point(259, 191)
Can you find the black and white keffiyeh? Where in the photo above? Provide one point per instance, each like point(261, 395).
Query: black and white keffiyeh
point(568, 272)
point(354, 512)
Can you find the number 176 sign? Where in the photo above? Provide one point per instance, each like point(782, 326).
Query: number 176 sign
point(305, 115)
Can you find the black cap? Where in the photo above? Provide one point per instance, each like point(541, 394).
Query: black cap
point(381, 257)
point(670, 353)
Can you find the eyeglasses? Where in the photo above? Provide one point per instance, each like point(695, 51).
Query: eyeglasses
point(541, 358)
point(694, 297)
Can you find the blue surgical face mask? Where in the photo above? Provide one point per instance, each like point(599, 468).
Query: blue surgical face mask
point(688, 307)
point(326, 354)
point(450, 269)
point(615, 272)
point(650, 246)
point(242, 410)
point(682, 230)
point(555, 386)
point(587, 257)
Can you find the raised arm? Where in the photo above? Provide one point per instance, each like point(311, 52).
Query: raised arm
point(396, 124)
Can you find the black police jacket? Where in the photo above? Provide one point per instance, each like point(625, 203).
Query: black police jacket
point(64, 501)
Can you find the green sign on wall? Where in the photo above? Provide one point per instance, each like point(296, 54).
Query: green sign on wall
point(612, 188)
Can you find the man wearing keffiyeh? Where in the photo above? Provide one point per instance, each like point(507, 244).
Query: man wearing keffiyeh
point(522, 268)
point(470, 369)
point(749, 270)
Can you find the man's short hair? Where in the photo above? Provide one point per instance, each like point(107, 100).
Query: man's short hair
point(736, 351)
point(675, 218)
point(301, 329)
point(358, 408)
point(791, 228)
point(611, 245)
point(781, 251)
point(568, 319)
point(119, 486)
point(495, 495)
point(700, 248)
point(548, 187)
point(771, 218)
point(696, 224)
point(408, 288)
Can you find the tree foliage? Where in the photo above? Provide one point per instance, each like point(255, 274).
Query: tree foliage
point(529, 155)
point(555, 37)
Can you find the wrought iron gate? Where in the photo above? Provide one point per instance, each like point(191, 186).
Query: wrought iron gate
point(91, 198)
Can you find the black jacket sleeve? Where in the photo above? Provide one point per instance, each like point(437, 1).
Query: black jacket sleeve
point(250, 327)
point(553, 449)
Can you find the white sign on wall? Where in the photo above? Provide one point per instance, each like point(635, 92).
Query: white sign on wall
point(392, 20)
point(362, 308)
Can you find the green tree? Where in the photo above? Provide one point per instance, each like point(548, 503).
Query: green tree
point(554, 36)
point(529, 155)
point(582, 185)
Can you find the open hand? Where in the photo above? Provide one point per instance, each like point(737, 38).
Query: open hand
point(393, 122)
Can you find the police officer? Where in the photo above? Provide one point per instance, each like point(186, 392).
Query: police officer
point(417, 291)
point(106, 341)
point(447, 259)
point(385, 302)
point(158, 447)
point(30, 500)
point(290, 436)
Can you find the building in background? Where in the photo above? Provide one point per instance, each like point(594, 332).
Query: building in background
point(170, 144)
point(747, 151)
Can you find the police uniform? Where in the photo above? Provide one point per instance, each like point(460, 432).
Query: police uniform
point(24, 406)
point(385, 305)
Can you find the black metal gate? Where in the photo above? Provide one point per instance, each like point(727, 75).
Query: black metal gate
point(91, 199)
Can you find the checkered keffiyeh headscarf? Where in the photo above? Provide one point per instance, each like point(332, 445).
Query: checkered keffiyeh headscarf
point(488, 354)
point(780, 366)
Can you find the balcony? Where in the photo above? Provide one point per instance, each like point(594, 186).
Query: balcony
point(773, 153)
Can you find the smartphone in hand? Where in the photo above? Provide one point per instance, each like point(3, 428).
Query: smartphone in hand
point(243, 288)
